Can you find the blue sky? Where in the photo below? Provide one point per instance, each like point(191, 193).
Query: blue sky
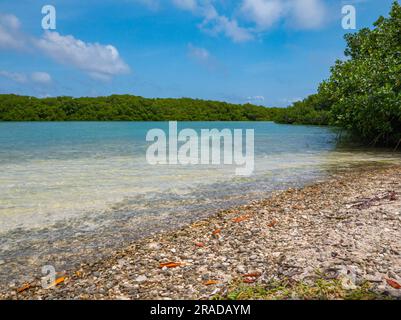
point(268, 52)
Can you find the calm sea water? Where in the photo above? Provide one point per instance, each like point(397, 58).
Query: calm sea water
point(70, 191)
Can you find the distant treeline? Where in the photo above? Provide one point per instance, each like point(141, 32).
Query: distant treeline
point(127, 108)
point(363, 93)
point(313, 110)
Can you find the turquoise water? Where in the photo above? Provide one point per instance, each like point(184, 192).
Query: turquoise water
point(53, 171)
point(87, 188)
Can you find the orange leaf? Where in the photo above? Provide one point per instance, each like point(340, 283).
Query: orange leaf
point(249, 280)
point(272, 224)
point(240, 219)
point(393, 283)
point(217, 231)
point(57, 281)
point(170, 264)
point(210, 282)
point(252, 275)
point(25, 286)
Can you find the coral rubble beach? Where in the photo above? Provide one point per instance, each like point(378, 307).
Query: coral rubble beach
point(343, 232)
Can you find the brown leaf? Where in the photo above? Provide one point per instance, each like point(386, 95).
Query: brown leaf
point(170, 264)
point(393, 283)
point(216, 232)
point(240, 219)
point(24, 287)
point(210, 282)
point(272, 224)
point(199, 244)
point(252, 275)
point(249, 280)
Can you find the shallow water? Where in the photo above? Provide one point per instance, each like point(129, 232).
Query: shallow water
point(71, 192)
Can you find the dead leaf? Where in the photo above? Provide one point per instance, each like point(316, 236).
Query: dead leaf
point(393, 283)
point(216, 232)
point(249, 280)
point(272, 224)
point(240, 219)
point(24, 287)
point(210, 282)
point(199, 244)
point(57, 281)
point(252, 275)
point(170, 264)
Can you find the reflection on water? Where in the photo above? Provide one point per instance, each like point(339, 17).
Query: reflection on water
point(87, 186)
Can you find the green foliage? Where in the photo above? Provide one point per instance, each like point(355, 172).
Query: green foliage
point(366, 88)
point(320, 289)
point(312, 110)
point(363, 93)
point(126, 108)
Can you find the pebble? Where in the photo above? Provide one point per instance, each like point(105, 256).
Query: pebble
point(316, 231)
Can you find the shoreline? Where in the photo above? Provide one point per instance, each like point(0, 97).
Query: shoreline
point(344, 229)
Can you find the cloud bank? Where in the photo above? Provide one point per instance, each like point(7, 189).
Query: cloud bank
point(39, 77)
point(302, 14)
point(10, 34)
point(97, 60)
point(251, 17)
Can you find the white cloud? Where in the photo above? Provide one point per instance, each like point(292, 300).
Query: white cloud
point(228, 27)
point(213, 22)
point(260, 98)
point(39, 77)
point(264, 13)
point(302, 14)
point(309, 14)
point(203, 57)
point(291, 100)
point(10, 20)
point(99, 61)
point(255, 99)
point(251, 17)
point(199, 54)
point(186, 4)
point(10, 35)
point(14, 76)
